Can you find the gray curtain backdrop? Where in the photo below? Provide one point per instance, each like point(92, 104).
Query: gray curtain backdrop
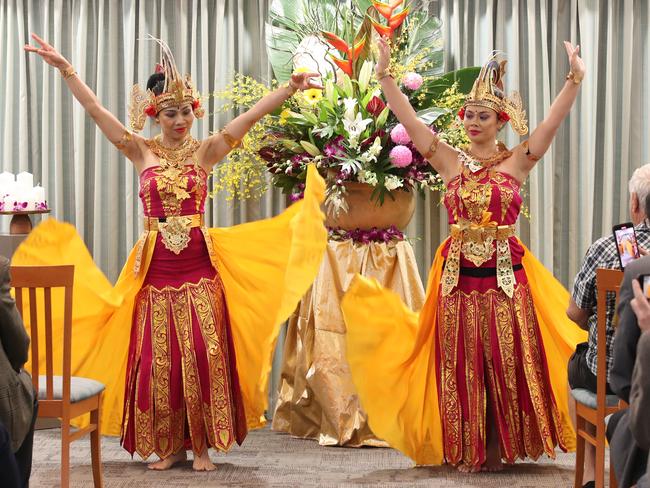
point(577, 192)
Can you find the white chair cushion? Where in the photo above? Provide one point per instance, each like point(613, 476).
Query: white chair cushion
point(80, 388)
point(588, 398)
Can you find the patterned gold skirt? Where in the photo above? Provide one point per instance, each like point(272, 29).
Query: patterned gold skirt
point(182, 389)
point(490, 355)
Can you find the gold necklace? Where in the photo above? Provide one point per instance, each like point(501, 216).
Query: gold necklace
point(492, 160)
point(178, 154)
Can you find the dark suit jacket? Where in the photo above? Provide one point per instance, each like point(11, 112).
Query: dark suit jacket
point(16, 390)
point(640, 393)
point(627, 332)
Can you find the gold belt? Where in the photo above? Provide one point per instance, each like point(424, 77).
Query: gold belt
point(476, 242)
point(175, 232)
point(177, 221)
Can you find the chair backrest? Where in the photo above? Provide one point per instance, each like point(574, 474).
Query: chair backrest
point(29, 279)
point(607, 281)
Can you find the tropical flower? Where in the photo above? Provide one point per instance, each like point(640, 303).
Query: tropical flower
point(401, 156)
point(354, 127)
point(399, 135)
point(393, 182)
point(351, 52)
point(412, 81)
point(387, 11)
point(375, 106)
point(350, 105)
point(284, 115)
point(313, 95)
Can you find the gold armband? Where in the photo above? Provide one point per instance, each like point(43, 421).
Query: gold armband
point(230, 140)
point(433, 148)
point(126, 138)
point(67, 72)
point(531, 157)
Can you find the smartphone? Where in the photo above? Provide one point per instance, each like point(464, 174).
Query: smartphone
point(644, 281)
point(626, 245)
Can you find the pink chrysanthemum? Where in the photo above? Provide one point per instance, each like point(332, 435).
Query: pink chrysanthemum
point(401, 156)
point(412, 81)
point(399, 135)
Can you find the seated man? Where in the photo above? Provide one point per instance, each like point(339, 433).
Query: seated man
point(629, 457)
point(630, 439)
point(582, 306)
point(17, 398)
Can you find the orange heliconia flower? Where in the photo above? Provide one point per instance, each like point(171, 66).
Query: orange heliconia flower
point(386, 10)
point(352, 53)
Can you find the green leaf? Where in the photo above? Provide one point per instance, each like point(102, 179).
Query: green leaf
point(429, 115)
point(310, 148)
point(309, 117)
point(464, 77)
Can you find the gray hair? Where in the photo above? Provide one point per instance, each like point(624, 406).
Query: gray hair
point(640, 184)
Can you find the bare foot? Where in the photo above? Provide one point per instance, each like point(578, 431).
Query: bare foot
point(492, 466)
point(168, 462)
point(202, 462)
point(467, 468)
point(492, 456)
point(493, 449)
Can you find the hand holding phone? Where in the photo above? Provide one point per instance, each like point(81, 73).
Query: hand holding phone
point(626, 243)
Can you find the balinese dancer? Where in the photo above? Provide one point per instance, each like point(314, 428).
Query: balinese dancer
point(479, 377)
point(204, 304)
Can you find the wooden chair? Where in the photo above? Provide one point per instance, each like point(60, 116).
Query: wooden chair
point(592, 409)
point(63, 397)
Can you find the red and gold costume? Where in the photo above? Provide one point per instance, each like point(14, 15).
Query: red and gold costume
point(193, 318)
point(492, 335)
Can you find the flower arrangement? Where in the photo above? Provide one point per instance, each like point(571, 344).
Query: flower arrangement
point(346, 128)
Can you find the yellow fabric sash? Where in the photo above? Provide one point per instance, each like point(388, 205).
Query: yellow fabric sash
point(265, 266)
point(391, 352)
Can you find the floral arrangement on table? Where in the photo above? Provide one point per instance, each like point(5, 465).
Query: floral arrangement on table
point(346, 128)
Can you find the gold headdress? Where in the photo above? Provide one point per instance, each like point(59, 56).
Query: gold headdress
point(177, 90)
point(488, 92)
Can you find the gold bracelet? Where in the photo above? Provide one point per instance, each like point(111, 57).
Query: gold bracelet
point(384, 73)
point(230, 140)
point(572, 76)
point(432, 148)
point(292, 88)
point(67, 72)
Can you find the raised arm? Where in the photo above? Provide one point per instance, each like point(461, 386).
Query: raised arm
point(441, 156)
point(217, 147)
point(112, 128)
point(543, 135)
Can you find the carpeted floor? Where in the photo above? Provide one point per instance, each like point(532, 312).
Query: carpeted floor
point(277, 460)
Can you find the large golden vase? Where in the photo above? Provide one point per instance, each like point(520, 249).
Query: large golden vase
point(364, 213)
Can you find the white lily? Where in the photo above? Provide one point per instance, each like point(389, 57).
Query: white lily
point(392, 182)
point(375, 149)
point(350, 106)
point(356, 126)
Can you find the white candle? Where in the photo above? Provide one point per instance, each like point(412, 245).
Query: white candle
point(25, 180)
point(7, 182)
point(38, 193)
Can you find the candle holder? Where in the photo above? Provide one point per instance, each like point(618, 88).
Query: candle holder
point(21, 223)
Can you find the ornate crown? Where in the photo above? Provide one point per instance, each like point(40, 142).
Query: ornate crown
point(488, 92)
point(177, 91)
